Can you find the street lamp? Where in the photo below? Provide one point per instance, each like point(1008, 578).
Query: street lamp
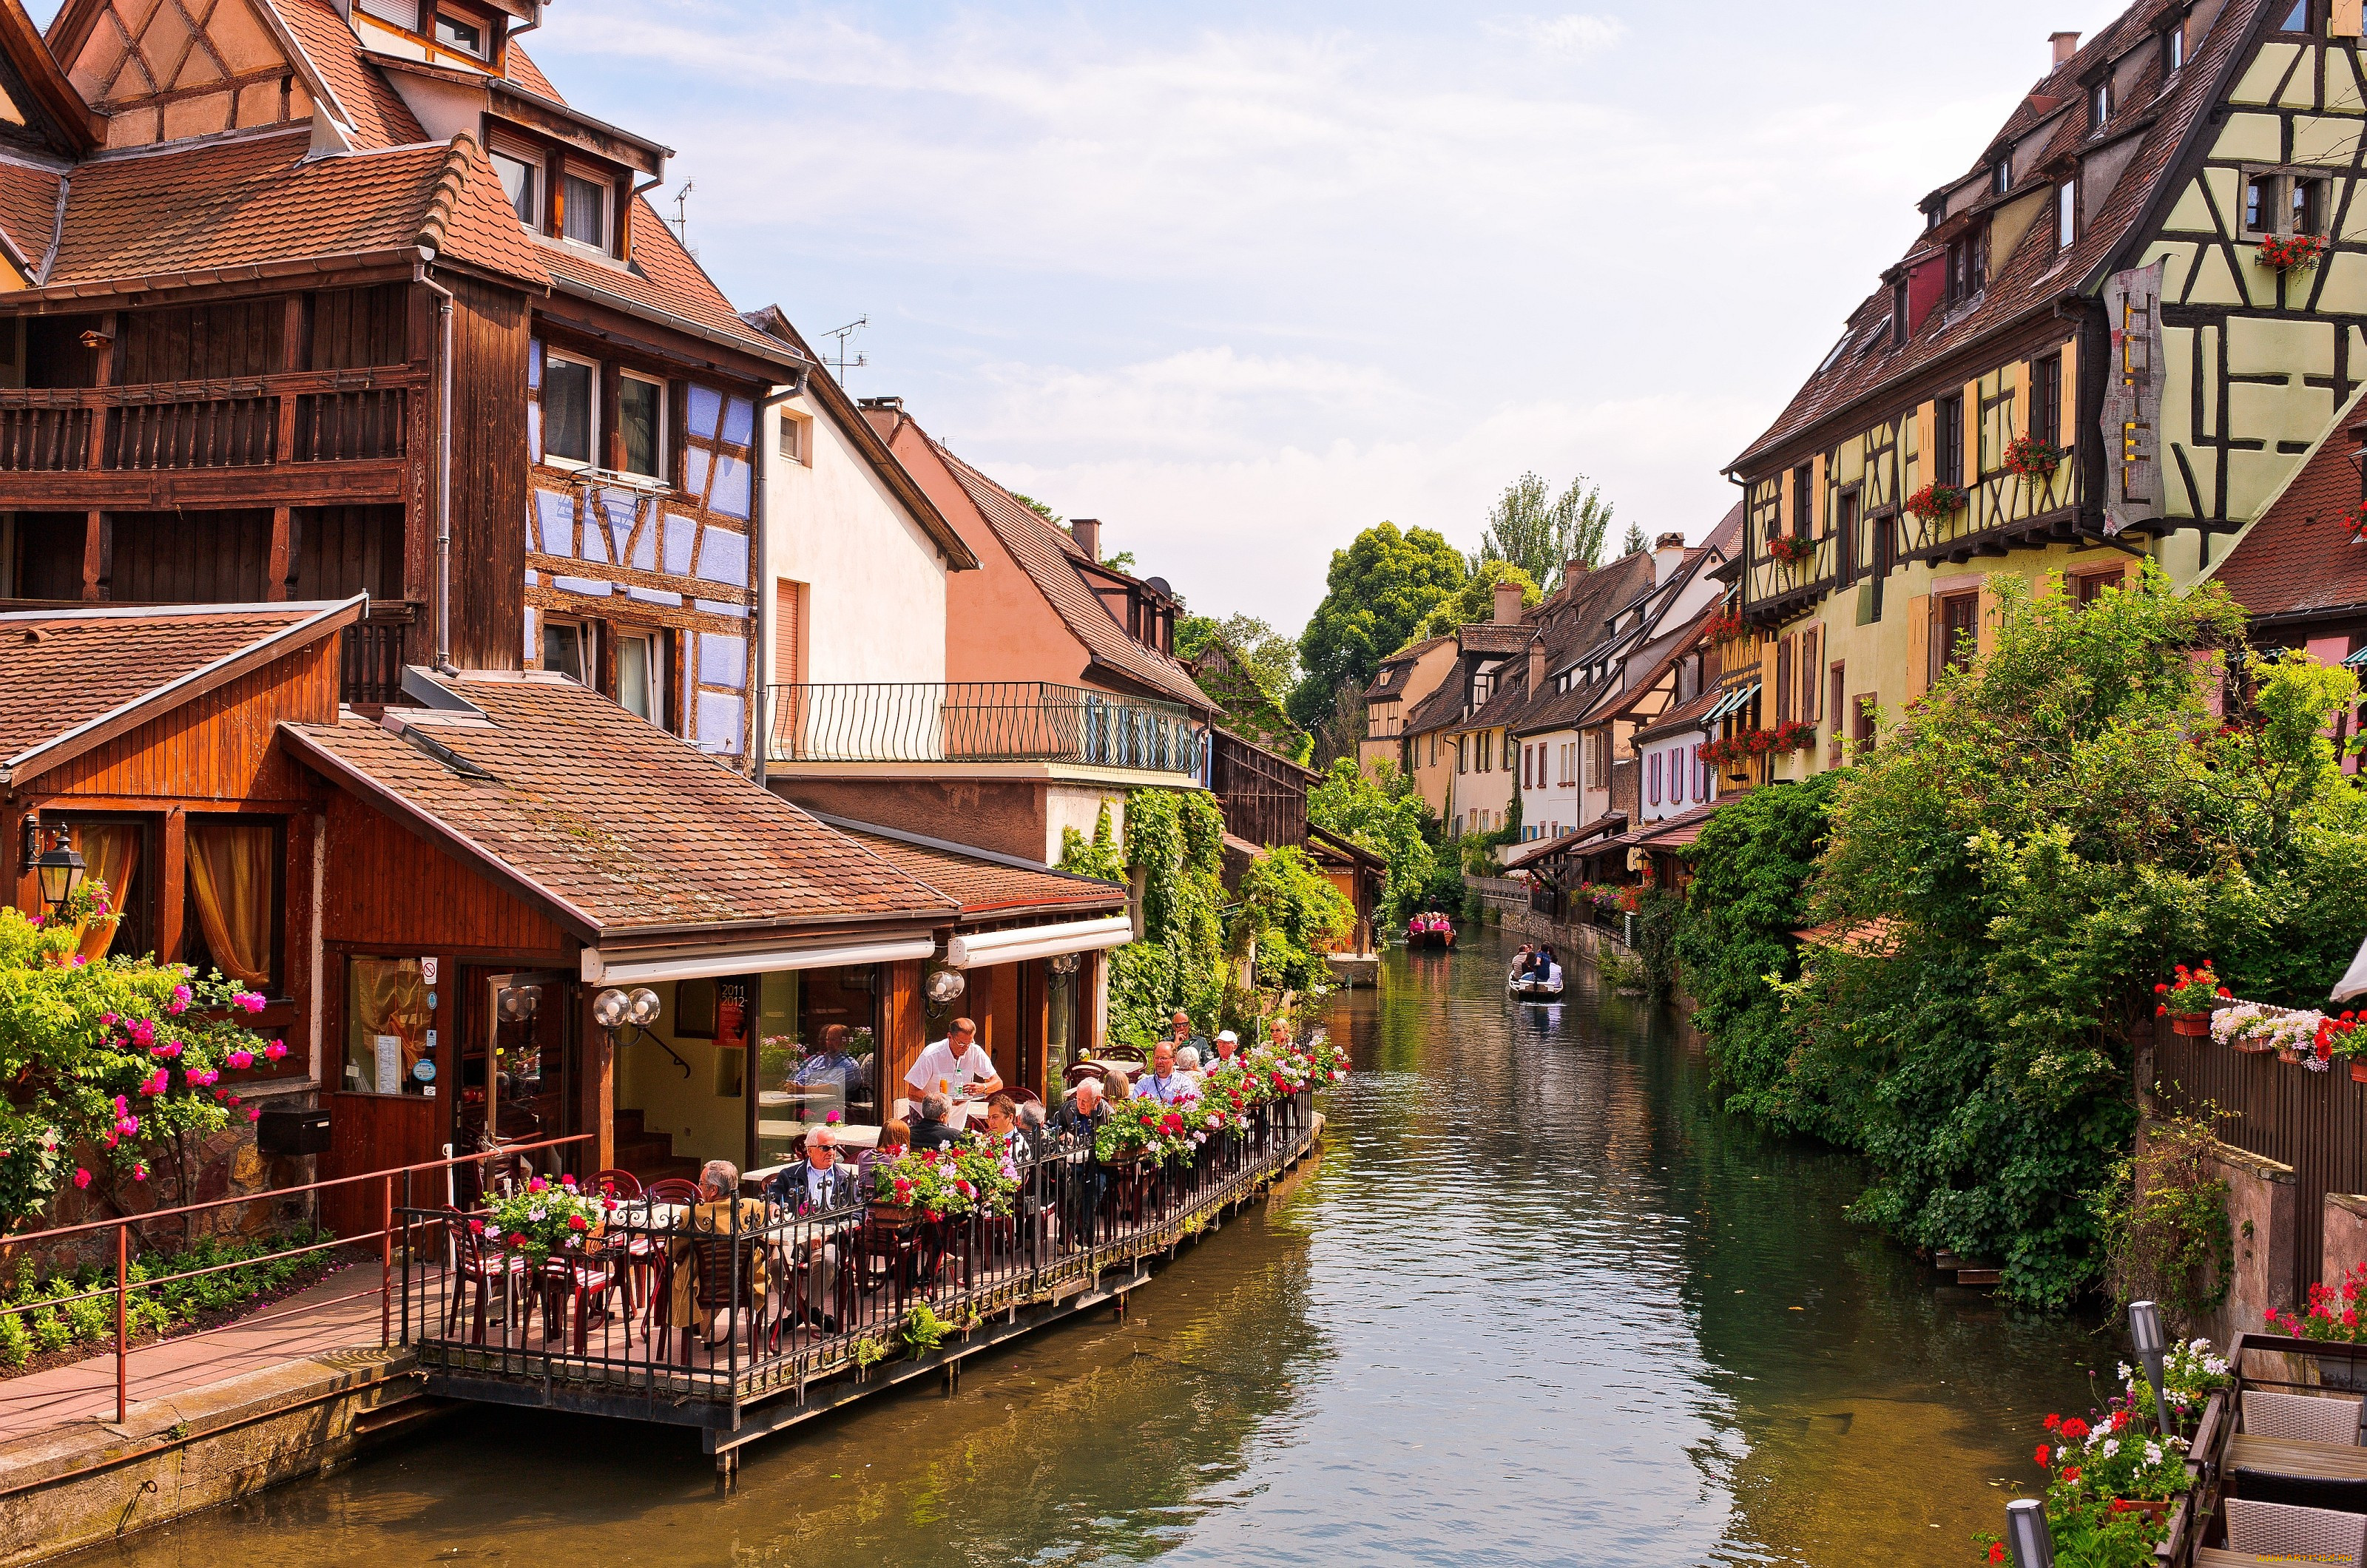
point(2144, 1334)
point(944, 986)
point(59, 871)
point(2026, 1534)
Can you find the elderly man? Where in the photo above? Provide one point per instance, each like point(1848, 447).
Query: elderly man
point(719, 1213)
point(816, 1185)
point(934, 1128)
point(1081, 1115)
point(1229, 1051)
point(956, 1065)
point(1160, 1083)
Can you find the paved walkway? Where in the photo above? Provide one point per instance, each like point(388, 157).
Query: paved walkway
point(303, 1325)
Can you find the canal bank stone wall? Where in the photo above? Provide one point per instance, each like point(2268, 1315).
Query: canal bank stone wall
point(1592, 944)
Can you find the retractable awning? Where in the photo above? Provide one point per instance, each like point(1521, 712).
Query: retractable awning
point(631, 968)
point(1731, 702)
point(1023, 942)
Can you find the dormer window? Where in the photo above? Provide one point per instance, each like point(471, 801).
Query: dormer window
point(1967, 265)
point(1898, 313)
point(583, 213)
point(2173, 49)
point(463, 33)
point(2001, 175)
point(2102, 102)
point(522, 183)
point(2067, 214)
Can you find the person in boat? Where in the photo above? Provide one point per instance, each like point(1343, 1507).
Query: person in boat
point(1524, 960)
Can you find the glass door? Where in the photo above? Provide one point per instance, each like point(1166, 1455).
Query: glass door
point(516, 1064)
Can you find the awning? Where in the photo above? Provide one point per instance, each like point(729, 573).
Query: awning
point(641, 968)
point(1729, 703)
point(1023, 942)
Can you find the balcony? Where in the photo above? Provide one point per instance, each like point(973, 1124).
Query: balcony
point(980, 722)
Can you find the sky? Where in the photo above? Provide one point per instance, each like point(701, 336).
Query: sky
point(1242, 279)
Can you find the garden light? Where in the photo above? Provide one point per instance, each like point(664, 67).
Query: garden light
point(60, 870)
point(2144, 1334)
point(2026, 1534)
point(641, 1007)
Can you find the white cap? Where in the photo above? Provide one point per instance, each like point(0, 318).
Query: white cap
point(1229, 1034)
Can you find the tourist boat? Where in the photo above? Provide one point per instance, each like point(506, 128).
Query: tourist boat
point(1430, 931)
point(1529, 988)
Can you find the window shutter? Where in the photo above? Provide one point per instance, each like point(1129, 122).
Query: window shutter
point(1810, 641)
point(788, 633)
point(1918, 646)
point(1783, 654)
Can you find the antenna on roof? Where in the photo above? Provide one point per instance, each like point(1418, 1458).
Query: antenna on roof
point(839, 364)
point(682, 212)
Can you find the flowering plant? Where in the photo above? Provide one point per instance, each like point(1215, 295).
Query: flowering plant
point(1144, 1128)
point(2332, 1311)
point(2032, 459)
point(1723, 625)
point(540, 1219)
point(1791, 548)
point(2113, 1457)
point(1935, 500)
point(1792, 735)
point(2190, 1374)
point(2193, 991)
point(2293, 254)
point(2354, 523)
point(91, 899)
point(942, 1182)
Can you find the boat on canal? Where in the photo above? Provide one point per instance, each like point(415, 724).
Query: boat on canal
point(1529, 987)
point(1430, 929)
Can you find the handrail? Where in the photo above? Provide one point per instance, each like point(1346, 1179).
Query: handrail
point(230, 388)
point(979, 721)
point(384, 1236)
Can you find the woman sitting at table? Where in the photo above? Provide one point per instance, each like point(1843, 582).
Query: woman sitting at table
point(717, 1181)
point(895, 1138)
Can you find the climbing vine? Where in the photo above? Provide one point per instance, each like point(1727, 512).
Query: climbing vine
point(1174, 844)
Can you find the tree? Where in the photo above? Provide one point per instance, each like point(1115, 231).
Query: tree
point(1541, 534)
point(1378, 809)
point(1477, 602)
point(1037, 507)
point(1635, 541)
point(1247, 668)
point(1378, 591)
point(1271, 656)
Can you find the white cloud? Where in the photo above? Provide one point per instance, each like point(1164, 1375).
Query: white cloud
point(1576, 35)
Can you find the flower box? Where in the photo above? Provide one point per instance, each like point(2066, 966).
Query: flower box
point(2030, 458)
point(2358, 1070)
point(895, 1215)
point(2195, 1024)
point(2295, 254)
point(1790, 550)
point(1936, 501)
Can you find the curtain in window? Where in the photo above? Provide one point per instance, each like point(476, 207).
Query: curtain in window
point(110, 853)
point(389, 998)
point(230, 881)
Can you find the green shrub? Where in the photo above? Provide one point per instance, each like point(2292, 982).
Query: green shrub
point(16, 1341)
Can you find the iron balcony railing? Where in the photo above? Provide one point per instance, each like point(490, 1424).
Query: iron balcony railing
point(980, 721)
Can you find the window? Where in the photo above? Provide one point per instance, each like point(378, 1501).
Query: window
point(1898, 312)
point(2102, 101)
point(1845, 536)
point(2296, 18)
point(460, 33)
point(789, 638)
point(1948, 440)
point(797, 438)
point(640, 419)
point(1803, 509)
point(583, 211)
point(119, 851)
point(1784, 681)
point(2283, 204)
point(1655, 786)
point(2090, 586)
point(1959, 623)
point(563, 649)
point(1463, 754)
point(388, 1021)
point(230, 913)
point(2302, 206)
point(2173, 48)
point(641, 676)
point(2067, 214)
point(2260, 202)
point(521, 185)
point(1810, 641)
point(2046, 398)
point(568, 425)
point(1967, 264)
point(2001, 175)
point(1841, 704)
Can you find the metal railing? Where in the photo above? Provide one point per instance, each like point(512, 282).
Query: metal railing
point(121, 1287)
point(980, 721)
point(683, 1316)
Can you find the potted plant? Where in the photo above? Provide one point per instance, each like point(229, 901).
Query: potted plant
point(1723, 625)
point(2296, 252)
point(540, 1220)
point(2116, 1462)
point(2032, 459)
point(1936, 501)
point(2246, 1027)
point(2189, 998)
point(1790, 550)
point(937, 1184)
point(2340, 1037)
point(2331, 1314)
point(2190, 1374)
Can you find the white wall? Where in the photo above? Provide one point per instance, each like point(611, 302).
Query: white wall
point(875, 583)
point(1681, 786)
point(1542, 808)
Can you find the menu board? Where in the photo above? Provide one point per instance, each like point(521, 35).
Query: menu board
point(390, 1062)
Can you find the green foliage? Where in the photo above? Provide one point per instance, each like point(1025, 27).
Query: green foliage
point(1176, 838)
point(1247, 668)
point(1378, 589)
point(1037, 507)
point(2029, 850)
point(105, 1061)
point(1297, 916)
point(1378, 808)
point(2163, 1214)
point(158, 1309)
point(1634, 541)
point(922, 1330)
point(1476, 601)
point(1540, 532)
point(1100, 856)
point(1658, 913)
point(1271, 656)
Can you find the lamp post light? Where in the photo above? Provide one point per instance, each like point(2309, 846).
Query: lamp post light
point(59, 871)
point(2144, 1334)
point(2026, 1536)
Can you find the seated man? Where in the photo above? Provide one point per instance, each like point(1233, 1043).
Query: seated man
point(934, 1130)
point(1081, 1115)
point(815, 1186)
point(829, 1067)
point(718, 1212)
point(1160, 1083)
point(1228, 1050)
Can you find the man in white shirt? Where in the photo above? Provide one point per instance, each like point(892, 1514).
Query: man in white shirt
point(958, 1060)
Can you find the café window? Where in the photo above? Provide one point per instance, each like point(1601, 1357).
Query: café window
point(640, 421)
point(565, 649)
point(230, 919)
point(390, 1033)
point(522, 183)
point(641, 676)
point(583, 211)
point(568, 422)
point(816, 1037)
point(119, 851)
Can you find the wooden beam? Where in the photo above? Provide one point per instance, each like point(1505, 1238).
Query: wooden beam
point(361, 483)
point(93, 553)
point(172, 887)
point(283, 561)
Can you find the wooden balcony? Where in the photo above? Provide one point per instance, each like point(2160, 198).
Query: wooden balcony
point(338, 436)
point(370, 656)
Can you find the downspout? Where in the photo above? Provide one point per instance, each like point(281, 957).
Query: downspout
point(770, 452)
point(443, 471)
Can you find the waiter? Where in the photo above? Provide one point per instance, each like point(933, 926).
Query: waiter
point(968, 1071)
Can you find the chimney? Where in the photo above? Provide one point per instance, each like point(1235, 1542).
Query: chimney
point(1573, 570)
point(1508, 603)
point(1087, 531)
point(1667, 554)
point(1536, 665)
point(2064, 45)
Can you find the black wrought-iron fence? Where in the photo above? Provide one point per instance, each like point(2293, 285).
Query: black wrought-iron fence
point(979, 721)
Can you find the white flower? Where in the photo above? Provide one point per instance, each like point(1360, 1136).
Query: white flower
point(2126, 1373)
point(535, 1213)
point(2112, 1447)
point(2153, 1454)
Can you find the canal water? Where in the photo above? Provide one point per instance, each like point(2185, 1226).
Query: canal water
point(1539, 1302)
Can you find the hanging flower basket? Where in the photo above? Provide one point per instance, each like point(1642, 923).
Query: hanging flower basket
point(1935, 502)
point(2032, 459)
point(2353, 523)
point(2297, 253)
point(1725, 625)
point(1790, 550)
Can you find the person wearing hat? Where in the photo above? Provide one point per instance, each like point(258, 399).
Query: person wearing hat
point(1228, 1050)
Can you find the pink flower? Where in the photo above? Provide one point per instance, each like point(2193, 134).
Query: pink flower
point(143, 1030)
point(82, 1177)
point(201, 1077)
point(831, 1120)
point(122, 1106)
point(106, 1020)
point(240, 1059)
point(127, 1125)
point(536, 1184)
point(156, 1082)
point(253, 1002)
point(276, 1050)
point(180, 1002)
point(254, 1113)
point(80, 961)
point(140, 1172)
point(230, 1099)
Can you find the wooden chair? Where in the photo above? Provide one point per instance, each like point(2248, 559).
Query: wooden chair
point(2301, 1417)
point(2281, 1530)
point(614, 1184)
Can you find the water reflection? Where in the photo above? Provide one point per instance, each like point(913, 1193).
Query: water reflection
point(1539, 1302)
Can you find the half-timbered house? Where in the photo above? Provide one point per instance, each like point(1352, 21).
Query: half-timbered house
point(2114, 338)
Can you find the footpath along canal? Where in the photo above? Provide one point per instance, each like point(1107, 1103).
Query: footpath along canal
point(1538, 1303)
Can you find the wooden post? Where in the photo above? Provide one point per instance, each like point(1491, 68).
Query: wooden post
point(172, 885)
point(283, 565)
point(94, 545)
point(596, 1086)
point(122, 1269)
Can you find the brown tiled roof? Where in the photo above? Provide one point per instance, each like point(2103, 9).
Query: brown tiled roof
point(985, 887)
point(28, 210)
point(2036, 274)
point(527, 75)
point(663, 276)
point(2298, 559)
point(1398, 669)
point(1050, 559)
point(1684, 713)
point(380, 117)
point(258, 199)
point(1574, 620)
point(609, 822)
point(70, 677)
